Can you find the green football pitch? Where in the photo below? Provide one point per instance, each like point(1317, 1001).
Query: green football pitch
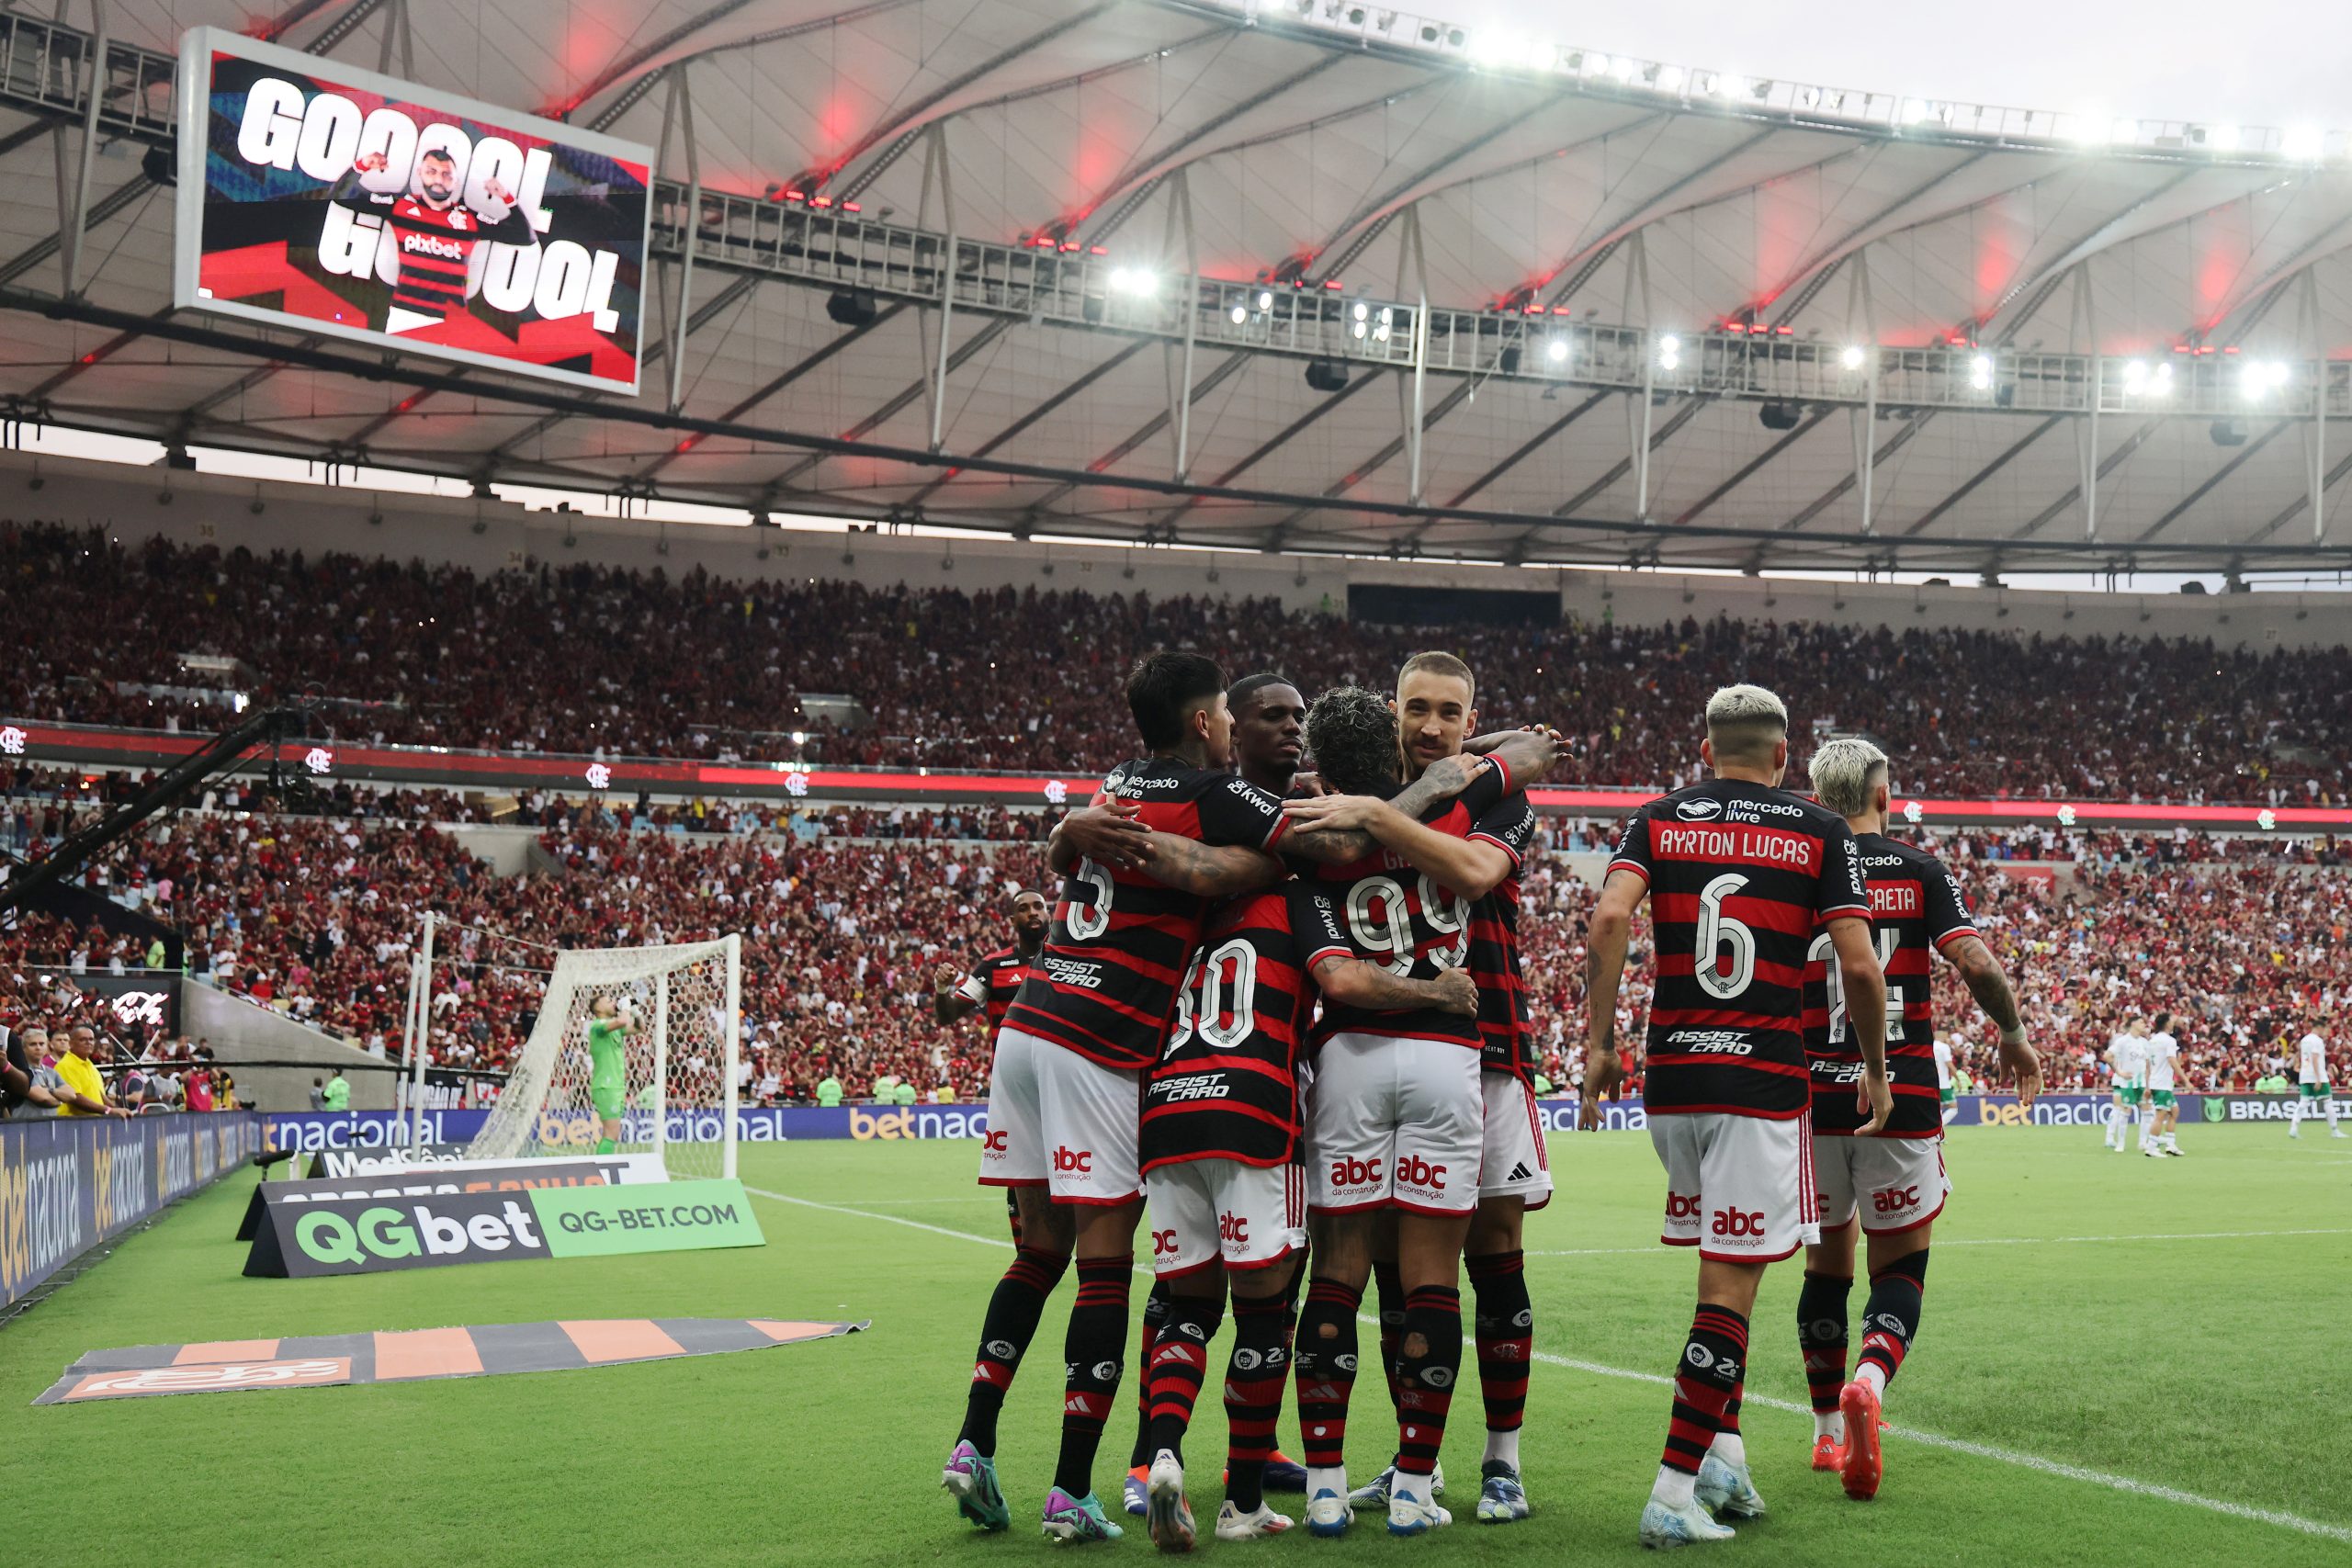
point(2120, 1358)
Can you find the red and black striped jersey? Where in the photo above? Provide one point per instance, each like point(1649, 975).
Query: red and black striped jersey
point(1740, 877)
point(1506, 1025)
point(1226, 1087)
point(435, 247)
point(994, 980)
point(1403, 920)
point(1105, 985)
point(1915, 909)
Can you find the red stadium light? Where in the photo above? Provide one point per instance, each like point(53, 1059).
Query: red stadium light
point(821, 201)
point(1785, 330)
point(1333, 283)
point(1562, 311)
point(1070, 244)
point(791, 195)
point(1098, 250)
point(851, 207)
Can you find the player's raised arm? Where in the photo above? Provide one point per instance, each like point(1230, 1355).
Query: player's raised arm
point(1358, 983)
point(1471, 867)
point(954, 994)
point(1108, 833)
point(1606, 939)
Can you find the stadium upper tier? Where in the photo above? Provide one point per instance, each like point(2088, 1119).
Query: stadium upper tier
point(583, 659)
point(1128, 271)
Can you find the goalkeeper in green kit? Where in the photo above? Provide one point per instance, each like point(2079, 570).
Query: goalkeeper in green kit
point(608, 1032)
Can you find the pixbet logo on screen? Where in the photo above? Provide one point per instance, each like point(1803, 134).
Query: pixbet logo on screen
point(324, 134)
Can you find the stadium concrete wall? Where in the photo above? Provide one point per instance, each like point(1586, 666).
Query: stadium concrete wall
point(68, 1184)
point(241, 1031)
point(930, 1123)
point(212, 509)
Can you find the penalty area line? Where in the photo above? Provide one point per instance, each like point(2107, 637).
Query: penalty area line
point(1932, 1439)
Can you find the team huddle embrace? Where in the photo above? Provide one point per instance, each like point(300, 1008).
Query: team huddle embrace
point(1284, 1012)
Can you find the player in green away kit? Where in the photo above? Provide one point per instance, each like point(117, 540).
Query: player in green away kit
point(608, 1032)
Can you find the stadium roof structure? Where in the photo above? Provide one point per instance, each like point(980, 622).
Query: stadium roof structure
point(1306, 276)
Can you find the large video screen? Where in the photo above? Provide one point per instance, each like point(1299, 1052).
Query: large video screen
point(338, 201)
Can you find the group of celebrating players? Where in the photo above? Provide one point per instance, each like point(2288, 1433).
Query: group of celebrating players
point(1287, 1010)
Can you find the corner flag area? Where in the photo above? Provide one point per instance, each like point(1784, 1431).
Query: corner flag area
point(2131, 1356)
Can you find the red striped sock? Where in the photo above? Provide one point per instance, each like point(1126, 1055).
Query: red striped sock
point(1706, 1386)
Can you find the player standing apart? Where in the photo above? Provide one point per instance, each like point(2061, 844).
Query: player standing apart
point(1893, 1184)
point(2127, 1060)
point(2157, 1138)
point(608, 1032)
point(1229, 1201)
point(992, 984)
point(2312, 1086)
point(1739, 875)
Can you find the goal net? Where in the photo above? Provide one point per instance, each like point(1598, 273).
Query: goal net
point(677, 1009)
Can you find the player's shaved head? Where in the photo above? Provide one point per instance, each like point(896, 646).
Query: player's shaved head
point(1846, 775)
point(1243, 694)
point(1745, 725)
point(1352, 733)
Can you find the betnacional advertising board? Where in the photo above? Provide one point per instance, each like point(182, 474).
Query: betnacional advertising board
point(334, 200)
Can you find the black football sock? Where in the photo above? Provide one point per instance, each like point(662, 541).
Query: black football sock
point(1324, 1362)
point(1014, 1307)
point(1179, 1364)
point(1891, 1315)
point(1429, 1360)
point(1098, 1327)
point(1505, 1328)
point(1821, 1336)
point(1253, 1394)
point(1155, 1317)
point(1388, 1288)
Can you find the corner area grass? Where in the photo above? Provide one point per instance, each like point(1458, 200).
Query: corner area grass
point(2209, 1364)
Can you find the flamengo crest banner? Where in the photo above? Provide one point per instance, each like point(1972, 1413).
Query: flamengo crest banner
point(315, 196)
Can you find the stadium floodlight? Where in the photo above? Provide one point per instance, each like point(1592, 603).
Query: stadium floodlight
point(1731, 84)
point(1917, 111)
point(1669, 78)
point(1624, 68)
point(1265, 298)
point(2093, 129)
point(2264, 375)
point(1239, 315)
point(1359, 330)
point(2223, 138)
point(800, 737)
point(1851, 357)
point(1980, 373)
point(1132, 280)
point(1596, 65)
point(1670, 351)
point(1362, 312)
point(2303, 143)
point(1498, 48)
point(1556, 350)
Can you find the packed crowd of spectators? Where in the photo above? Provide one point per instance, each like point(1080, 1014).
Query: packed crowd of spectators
point(583, 659)
point(846, 913)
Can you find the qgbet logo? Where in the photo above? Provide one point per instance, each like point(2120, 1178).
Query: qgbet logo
point(384, 1234)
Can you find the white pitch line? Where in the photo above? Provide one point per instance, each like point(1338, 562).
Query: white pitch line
point(1932, 1439)
point(1985, 1241)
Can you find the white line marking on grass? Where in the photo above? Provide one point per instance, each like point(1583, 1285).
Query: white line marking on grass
point(1932, 1439)
point(1661, 1251)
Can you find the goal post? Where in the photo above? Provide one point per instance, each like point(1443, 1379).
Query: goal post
point(676, 1091)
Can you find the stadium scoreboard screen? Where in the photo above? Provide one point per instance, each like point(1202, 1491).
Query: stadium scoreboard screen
point(334, 200)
